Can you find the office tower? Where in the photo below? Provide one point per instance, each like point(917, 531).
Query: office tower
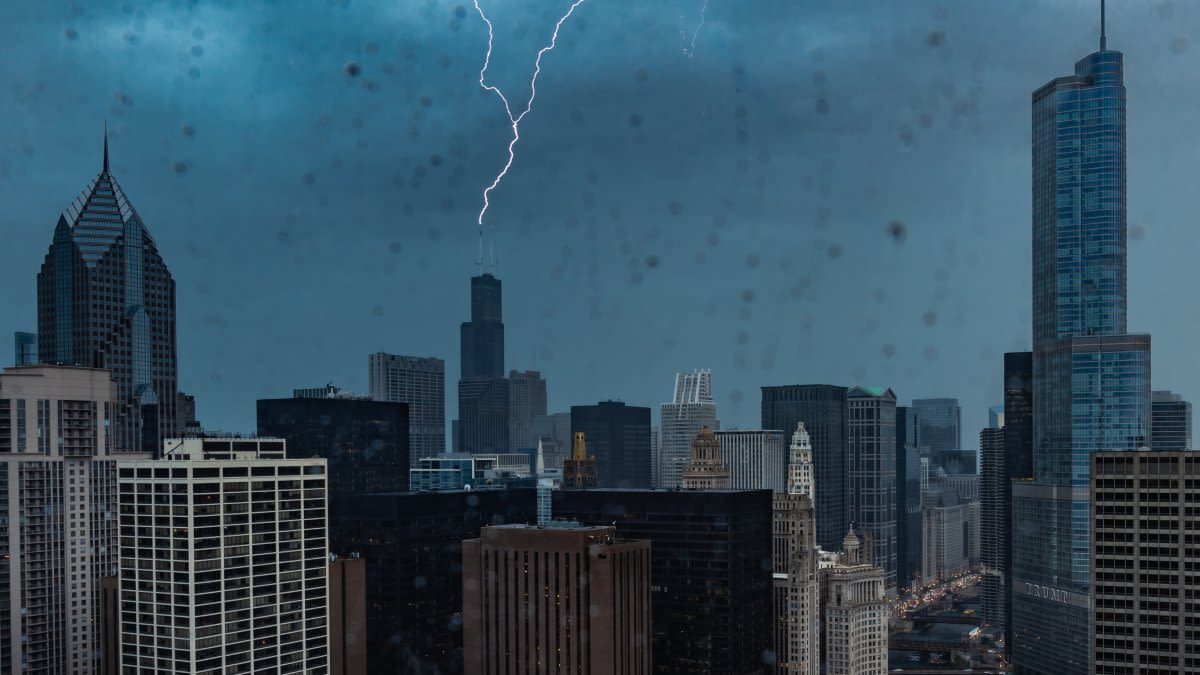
point(1143, 551)
point(186, 424)
point(712, 549)
point(25, 351)
point(908, 498)
point(796, 587)
point(563, 598)
point(871, 448)
point(347, 615)
point(419, 381)
point(655, 460)
point(554, 430)
point(412, 545)
point(1091, 379)
point(57, 530)
point(854, 612)
point(247, 582)
point(945, 534)
point(526, 400)
point(822, 409)
point(691, 408)
point(940, 420)
point(706, 470)
point(365, 442)
point(579, 472)
point(106, 300)
point(755, 459)
point(996, 417)
point(483, 405)
point(966, 486)
point(1170, 421)
point(619, 437)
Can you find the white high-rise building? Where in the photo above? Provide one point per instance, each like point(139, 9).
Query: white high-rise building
point(796, 586)
point(223, 560)
point(855, 612)
point(756, 459)
point(58, 527)
point(690, 410)
point(421, 383)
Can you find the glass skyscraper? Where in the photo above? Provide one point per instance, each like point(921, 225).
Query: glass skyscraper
point(106, 300)
point(483, 405)
point(1091, 380)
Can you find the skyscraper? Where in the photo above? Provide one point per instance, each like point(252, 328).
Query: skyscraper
point(908, 498)
point(554, 431)
point(106, 300)
point(871, 448)
point(421, 383)
point(854, 613)
point(1091, 380)
point(691, 408)
point(526, 401)
point(483, 406)
point(1170, 421)
point(25, 351)
point(822, 409)
point(756, 459)
point(940, 420)
point(618, 435)
point(796, 592)
point(706, 470)
point(579, 470)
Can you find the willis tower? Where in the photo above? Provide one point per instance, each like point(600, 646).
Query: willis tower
point(482, 389)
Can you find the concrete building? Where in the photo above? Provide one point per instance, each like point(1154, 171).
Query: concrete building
point(347, 616)
point(946, 534)
point(756, 459)
point(706, 470)
point(1170, 421)
point(796, 587)
point(579, 472)
point(1144, 552)
point(871, 469)
point(247, 587)
point(854, 611)
point(691, 408)
point(563, 598)
point(419, 382)
point(526, 401)
point(58, 528)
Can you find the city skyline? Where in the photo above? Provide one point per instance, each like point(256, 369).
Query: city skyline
point(148, 140)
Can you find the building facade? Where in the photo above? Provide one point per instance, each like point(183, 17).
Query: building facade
point(25, 349)
point(562, 598)
point(706, 470)
point(822, 409)
point(106, 300)
point(618, 436)
point(579, 471)
point(796, 586)
point(871, 470)
point(1144, 552)
point(940, 422)
point(365, 442)
point(553, 430)
point(419, 382)
point(1091, 380)
point(1170, 421)
point(756, 459)
point(691, 408)
point(854, 610)
point(242, 570)
point(946, 535)
point(526, 401)
point(483, 406)
point(908, 498)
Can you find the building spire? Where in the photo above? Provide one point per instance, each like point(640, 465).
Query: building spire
point(105, 146)
point(1103, 41)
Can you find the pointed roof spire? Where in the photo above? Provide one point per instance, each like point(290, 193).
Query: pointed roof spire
point(105, 146)
point(1103, 40)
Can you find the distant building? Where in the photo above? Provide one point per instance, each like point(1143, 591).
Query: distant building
point(603, 627)
point(996, 417)
point(579, 471)
point(1144, 612)
point(966, 486)
point(554, 430)
point(854, 612)
point(655, 460)
point(25, 352)
point(946, 534)
point(419, 382)
point(706, 470)
point(328, 391)
point(710, 598)
point(822, 409)
point(364, 441)
point(619, 437)
point(186, 424)
point(691, 408)
point(237, 489)
point(1170, 421)
point(796, 586)
point(871, 448)
point(483, 405)
point(940, 421)
point(347, 616)
point(526, 401)
point(412, 545)
point(908, 498)
point(756, 459)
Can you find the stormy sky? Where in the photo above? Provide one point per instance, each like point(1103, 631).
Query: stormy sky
point(825, 191)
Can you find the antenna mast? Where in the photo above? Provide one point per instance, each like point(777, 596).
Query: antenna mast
point(1103, 40)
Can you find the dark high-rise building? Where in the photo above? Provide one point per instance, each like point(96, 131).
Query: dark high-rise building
point(526, 402)
point(483, 396)
point(1170, 421)
point(618, 436)
point(940, 420)
point(908, 498)
point(421, 383)
point(1091, 380)
point(364, 441)
point(822, 409)
point(25, 350)
point(1004, 457)
point(871, 450)
point(412, 544)
point(106, 300)
point(711, 561)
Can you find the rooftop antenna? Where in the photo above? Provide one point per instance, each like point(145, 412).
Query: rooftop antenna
point(492, 248)
point(479, 257)
point(105, 146)
point(1103, 41)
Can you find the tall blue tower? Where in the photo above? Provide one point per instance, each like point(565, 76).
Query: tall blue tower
point(1091, 379)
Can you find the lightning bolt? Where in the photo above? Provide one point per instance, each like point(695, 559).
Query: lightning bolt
point(516, 121)
point(691, 51)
